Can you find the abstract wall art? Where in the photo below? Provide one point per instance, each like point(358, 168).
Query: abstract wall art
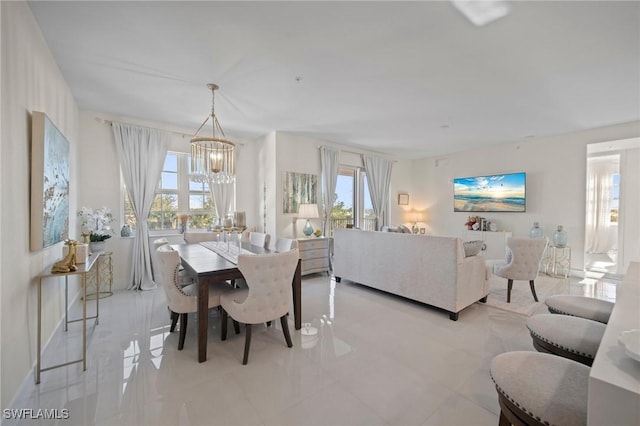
point(49, 183)
point(299, 188)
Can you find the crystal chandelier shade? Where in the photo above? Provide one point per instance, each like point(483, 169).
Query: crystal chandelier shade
point(212, 157)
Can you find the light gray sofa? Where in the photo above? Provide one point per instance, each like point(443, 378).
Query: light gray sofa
point(429, 269)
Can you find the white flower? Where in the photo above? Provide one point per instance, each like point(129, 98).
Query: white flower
point(96, 222)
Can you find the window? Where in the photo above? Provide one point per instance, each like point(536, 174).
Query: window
point(615, 198)
point(176, 194)
point(352, 203)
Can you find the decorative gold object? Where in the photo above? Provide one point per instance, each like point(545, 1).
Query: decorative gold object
point(212, 157)
point(68, 263)
point(85, 237)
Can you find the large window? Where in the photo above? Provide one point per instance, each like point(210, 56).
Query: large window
point(176, 195)
point(352, 203)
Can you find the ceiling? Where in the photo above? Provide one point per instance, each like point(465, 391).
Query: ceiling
point(410, 79)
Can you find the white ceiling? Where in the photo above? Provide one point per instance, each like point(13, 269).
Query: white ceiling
point(411, 79)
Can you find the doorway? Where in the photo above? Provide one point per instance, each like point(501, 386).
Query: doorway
point(611, 202)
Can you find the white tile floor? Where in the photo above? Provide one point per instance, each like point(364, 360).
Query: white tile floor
point(376, 359)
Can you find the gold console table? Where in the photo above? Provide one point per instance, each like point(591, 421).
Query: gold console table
point(84, 271)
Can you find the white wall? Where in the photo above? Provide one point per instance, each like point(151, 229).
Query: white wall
point(301, 154)
point(31, 81)
point(556, 179)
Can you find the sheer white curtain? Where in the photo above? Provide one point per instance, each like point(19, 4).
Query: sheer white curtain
point(379, 177)
point(141, 152)
point(329, 178)
point(222, 191)
point(600, 234)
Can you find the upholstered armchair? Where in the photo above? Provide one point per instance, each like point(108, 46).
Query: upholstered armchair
point(268, 296)
point(522, 262)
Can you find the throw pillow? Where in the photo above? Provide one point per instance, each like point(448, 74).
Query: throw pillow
point(404, 229)
point(472, 248)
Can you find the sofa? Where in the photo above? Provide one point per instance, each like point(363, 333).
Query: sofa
point(428, 269)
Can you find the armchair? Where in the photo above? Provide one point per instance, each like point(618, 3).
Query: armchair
point(522, 262)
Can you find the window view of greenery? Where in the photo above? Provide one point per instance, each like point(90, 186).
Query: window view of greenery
point(175, 195)
point(352, 192)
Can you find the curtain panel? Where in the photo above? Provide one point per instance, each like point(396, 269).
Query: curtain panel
point(379, 178)
point(329, 178)
point(141, 152)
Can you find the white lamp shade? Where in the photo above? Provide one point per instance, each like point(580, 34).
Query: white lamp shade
point(308, 211)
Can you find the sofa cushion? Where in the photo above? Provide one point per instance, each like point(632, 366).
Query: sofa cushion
point(472, 248)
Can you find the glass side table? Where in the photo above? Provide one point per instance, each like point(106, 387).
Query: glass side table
point(100, 281)
point(557, 261)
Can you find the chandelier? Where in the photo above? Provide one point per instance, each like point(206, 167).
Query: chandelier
point(212, 157)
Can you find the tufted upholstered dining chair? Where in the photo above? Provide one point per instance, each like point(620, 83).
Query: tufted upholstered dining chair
point(259, 239)
point(522, 262)
point(183, 277)
point(268, 296)
point(285, 244)
point(198, 237)
point(183, 300)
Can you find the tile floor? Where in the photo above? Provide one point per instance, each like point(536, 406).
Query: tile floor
point(375, 360)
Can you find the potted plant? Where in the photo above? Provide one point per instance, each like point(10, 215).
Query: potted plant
point(96, 223)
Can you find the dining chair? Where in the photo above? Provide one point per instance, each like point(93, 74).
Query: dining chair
point(184, 278)
point(285, 244)
point(267, 296)
point(199, 237)
point(259, 239)
point(183, 300)
point(522, 262)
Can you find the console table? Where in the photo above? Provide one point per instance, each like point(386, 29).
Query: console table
point(496, 242)
point(83, 271)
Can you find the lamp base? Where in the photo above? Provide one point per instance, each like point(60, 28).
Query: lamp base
point(308, 229)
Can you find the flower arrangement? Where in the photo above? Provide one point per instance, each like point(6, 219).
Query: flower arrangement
point(96, 223)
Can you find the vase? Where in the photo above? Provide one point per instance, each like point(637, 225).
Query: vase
point(560, 237)
point(536, 231)
point(97, 246)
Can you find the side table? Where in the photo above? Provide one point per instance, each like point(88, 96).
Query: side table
point(103, 276)
point(557, 261)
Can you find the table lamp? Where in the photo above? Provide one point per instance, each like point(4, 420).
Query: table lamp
point(308, 211)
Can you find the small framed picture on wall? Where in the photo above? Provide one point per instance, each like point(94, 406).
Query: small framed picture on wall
point(403, 199)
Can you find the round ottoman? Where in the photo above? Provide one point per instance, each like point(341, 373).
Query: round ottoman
point(569, 337)
point(580, 306)
point(540, 389)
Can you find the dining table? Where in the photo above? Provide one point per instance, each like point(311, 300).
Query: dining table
point(205, 264)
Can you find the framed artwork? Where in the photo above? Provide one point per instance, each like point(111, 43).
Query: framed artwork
point(298, 188)
point(49, 183)
point(403, 199)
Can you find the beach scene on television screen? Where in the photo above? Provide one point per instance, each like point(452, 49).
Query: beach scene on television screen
point(496, 193)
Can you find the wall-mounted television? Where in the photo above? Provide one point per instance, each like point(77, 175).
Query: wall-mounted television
point(493, 193)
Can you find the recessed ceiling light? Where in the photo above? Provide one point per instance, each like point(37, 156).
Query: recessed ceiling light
point(482, 12)
point(444, 126)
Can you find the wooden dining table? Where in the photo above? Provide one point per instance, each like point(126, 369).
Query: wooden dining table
point(206, 266)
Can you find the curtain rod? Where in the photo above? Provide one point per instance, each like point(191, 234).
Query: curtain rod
point(110, 123)
point(358, 153)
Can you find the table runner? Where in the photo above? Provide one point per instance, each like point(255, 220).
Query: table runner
point(227, 250)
